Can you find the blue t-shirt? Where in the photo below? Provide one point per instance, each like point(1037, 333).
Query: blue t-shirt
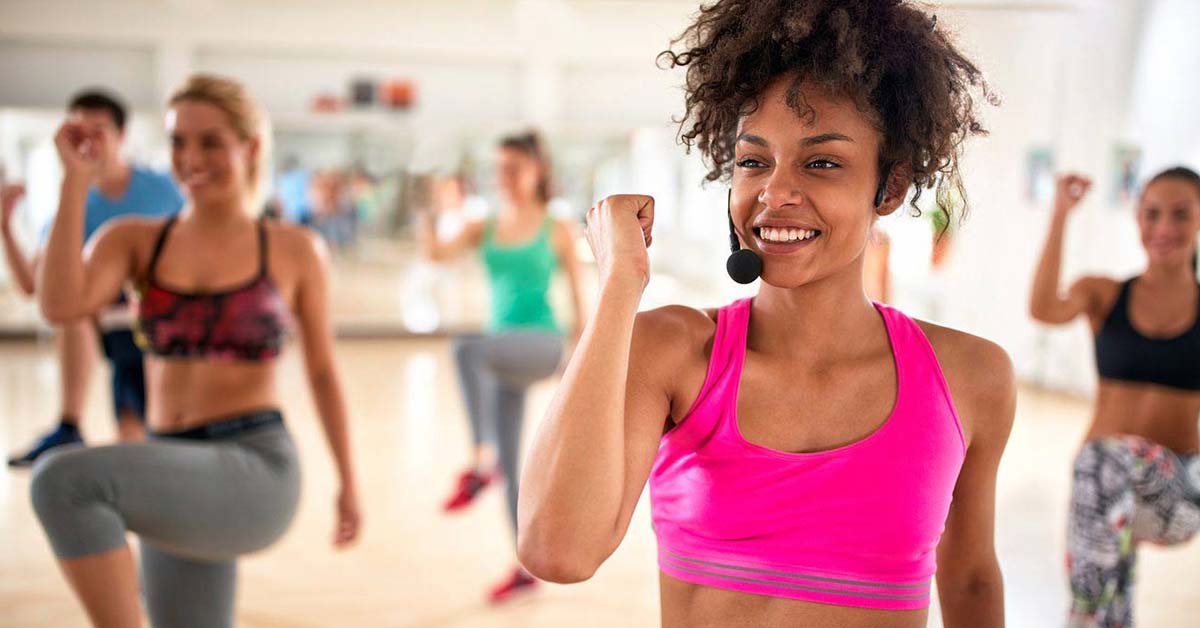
point(292, 189)
point(149, 194)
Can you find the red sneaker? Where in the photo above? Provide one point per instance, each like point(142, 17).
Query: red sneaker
point(470, 483)
point(518, 583)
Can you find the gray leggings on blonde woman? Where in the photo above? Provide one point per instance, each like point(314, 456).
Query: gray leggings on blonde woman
point(196, 505)
point(495, 370)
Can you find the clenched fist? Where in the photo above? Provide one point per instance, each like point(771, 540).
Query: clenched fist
point(79, 149)
point(619, 232)
point(1069, 190)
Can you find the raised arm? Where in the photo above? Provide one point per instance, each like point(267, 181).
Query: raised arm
point(1046, 303)
point(74, 283)
point(595, 447)
point(316, 335)
point(435, 249)
point(20, 267)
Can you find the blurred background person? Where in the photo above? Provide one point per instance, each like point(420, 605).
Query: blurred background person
point(117, 188)
point(220, 477)
point(522, 246)
point(1137, 475)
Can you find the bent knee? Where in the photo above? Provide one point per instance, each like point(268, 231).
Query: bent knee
point(56, 477)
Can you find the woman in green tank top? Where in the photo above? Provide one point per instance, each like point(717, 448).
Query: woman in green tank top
point(521, 247)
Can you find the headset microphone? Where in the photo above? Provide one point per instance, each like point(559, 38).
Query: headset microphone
point(744, 265)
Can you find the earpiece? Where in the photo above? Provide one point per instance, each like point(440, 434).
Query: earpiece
point(881, 191)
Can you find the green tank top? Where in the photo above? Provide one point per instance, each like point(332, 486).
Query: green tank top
point(520, 279)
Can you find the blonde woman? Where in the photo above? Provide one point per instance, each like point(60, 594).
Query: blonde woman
point(219, 292)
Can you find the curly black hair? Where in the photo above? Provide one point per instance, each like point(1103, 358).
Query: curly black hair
point(888, 56)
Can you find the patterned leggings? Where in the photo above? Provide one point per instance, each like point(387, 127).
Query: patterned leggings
point(1127, 489)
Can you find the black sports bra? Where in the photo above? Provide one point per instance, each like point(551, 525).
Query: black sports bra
point(1124, 354)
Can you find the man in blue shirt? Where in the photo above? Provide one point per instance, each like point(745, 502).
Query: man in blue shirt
point(120, 189)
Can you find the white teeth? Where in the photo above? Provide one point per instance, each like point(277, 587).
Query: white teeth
point(773, 234)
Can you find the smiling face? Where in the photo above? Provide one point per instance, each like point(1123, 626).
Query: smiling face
point(209, 158)
point(803, 187)
point(518, 175)
point(1169, 219)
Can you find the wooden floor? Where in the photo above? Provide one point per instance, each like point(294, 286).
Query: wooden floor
point(418, 568)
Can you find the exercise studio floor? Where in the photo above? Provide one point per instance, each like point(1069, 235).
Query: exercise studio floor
point(418, 568)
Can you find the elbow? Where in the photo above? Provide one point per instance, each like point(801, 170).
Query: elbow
point(556, 560)
point(1047, 316)
point(560, 567)
point(321, 377)
point(978, 588)
point(1039, 312)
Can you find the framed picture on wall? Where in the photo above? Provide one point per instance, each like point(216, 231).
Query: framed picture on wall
point(1039, 184)
point(1127, 165)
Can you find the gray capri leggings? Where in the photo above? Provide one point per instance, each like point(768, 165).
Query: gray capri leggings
point(195, 504)
point(495, 370)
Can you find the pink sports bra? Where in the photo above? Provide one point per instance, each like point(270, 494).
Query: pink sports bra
point(852, 526)
point(248, 322)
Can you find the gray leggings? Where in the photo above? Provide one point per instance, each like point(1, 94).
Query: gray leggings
point(195, 504)
point(495, 370)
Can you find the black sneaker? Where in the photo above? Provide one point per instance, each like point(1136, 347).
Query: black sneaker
point(61, 435)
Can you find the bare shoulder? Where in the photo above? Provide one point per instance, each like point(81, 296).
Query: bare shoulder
point(673, 325)
point(1096, 284)
point(1100, 293)
point(132, 236)
point(980, 375)
point(671, 348)
point(133, 228)
point(297, 244)
point(564, 227)
point(563, 232)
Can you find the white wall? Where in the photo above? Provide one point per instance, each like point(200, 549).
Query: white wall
point(1081, 79)
point(1065, 76)
point(1165, 115)
point(550, 62)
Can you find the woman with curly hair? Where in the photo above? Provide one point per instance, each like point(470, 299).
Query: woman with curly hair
point(1137, 474)
point(813, 457)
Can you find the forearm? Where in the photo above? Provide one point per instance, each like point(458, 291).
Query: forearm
point(19, 267)
point(331, 408)
point(577, 303)
point(427, 237)
point(572, 486)
point(975, 601)
point(61, 280)
point(1045, 292)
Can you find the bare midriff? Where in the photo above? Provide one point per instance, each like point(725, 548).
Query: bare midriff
point(1167, 416)
point(687, 605)
point(183, 393)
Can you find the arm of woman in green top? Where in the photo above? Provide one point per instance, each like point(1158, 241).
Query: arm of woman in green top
point(435, 249)
point(564, 249)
